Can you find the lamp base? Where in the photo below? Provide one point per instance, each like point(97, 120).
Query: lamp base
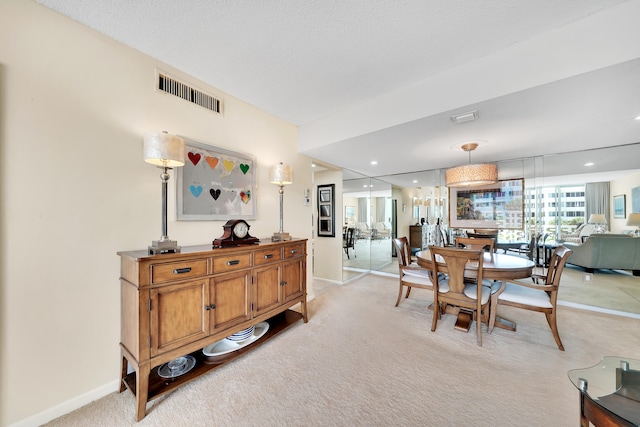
point(280, 237)
point(164, 247)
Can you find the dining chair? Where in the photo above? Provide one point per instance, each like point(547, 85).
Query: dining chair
point(349, 241)
point(411, 274)
point(454, 290)
point(476, 243)
point(527, 249)
point(540, 295)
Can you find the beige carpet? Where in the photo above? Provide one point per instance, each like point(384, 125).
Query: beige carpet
point(360, 361)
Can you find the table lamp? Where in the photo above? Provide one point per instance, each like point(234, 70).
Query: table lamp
point(634, 220)
point(281, 175)
point(598, 220)
point(165, 151)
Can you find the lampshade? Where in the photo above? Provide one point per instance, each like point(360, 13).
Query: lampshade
point(597, 219)
point(634, 219)
point(162, 149)
point(281, 174)
point(468, 175)
point(471, 174)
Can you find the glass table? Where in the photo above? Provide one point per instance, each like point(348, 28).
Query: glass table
point(609, 392)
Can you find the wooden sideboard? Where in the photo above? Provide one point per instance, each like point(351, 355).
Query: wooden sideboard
point(174, 305)
point(418, 236)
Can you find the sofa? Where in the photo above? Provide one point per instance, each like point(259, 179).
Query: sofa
point(610, 251)
point(383, 231)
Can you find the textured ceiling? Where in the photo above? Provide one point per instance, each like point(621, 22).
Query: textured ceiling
point(315, 63)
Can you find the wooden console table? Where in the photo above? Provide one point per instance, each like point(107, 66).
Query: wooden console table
point(174, 305)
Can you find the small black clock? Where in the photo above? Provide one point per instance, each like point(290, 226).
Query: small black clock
point(236, 233)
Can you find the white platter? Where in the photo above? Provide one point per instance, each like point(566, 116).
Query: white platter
point(227, 346)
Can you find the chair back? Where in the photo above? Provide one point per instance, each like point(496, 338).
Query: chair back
point(476, 243)
point(349, 238)
point(402, 251)
point(556, 266)
point(455, 260)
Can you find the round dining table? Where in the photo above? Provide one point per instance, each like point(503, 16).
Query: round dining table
point(494, 267)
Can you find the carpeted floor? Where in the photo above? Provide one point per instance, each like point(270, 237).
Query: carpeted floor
point(360, 361)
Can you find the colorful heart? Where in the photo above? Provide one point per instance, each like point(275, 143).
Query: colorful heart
point(213, 161)
point(194, 157)
point(228, 165)
point(245, 196)
point(244, 168)
point(195, 190)
point(215, 193)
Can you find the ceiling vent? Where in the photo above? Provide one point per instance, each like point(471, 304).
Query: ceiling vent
point(465, 117)
point(174, 87)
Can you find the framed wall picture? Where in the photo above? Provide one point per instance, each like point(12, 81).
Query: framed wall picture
point(620, 206)
point(499, 205)
point(326, 211)
point(215, 184)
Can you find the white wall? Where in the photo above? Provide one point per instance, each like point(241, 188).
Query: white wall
point(75, 190)
point(619, 187)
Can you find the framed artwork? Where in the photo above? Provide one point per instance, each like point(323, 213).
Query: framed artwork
point(499, 205)
point(349, 212)
point(620, 206)
point(215, 184)
point(326, 211)
point(635, 199)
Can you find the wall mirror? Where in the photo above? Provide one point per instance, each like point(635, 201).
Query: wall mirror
point(561, 176)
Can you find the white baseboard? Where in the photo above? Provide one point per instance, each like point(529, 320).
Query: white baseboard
point(68, 406)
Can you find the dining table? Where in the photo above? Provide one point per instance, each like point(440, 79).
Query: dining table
point(495, 266)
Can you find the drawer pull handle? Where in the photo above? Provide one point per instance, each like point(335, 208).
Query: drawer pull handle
point(283, 283)
point(268, 256)
point(182, 270)
point(294, 251)
point(210, 307)
point(233, 262)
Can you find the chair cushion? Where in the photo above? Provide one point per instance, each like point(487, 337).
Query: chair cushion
point(416, 280)
point(471, 292)
point(523, 295)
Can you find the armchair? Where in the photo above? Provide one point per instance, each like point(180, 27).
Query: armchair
point(578, 234)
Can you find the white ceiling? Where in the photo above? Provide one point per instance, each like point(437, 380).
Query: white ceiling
point(378, 80)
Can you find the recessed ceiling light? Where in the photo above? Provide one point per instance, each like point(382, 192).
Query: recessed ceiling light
point(313, 165)
point(637, 118)
point(589, 164)
point(374, 162)
point(415, 181)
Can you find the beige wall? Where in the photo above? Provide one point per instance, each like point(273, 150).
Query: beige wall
point(618, 187)
point(75, 190)
point(327, 263)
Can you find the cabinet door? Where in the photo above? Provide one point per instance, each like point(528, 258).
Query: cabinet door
point(293, 279)
point(178, 315)
point(230, 295)
point(267, 292)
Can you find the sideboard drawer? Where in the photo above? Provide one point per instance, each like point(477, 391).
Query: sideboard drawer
point(292, 251)
point(178, 270)
point(265, 257)
point(226, 263)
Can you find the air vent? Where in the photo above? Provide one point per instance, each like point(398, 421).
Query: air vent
point(174, 87)
point(465, 117)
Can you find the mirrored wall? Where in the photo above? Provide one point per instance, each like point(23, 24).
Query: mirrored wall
point(387, 206)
